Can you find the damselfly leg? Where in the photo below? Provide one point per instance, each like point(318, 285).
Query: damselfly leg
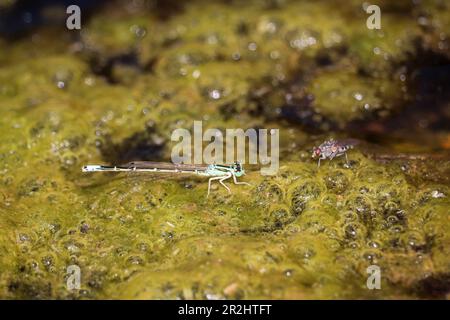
point(240, 182)
point(221, 178)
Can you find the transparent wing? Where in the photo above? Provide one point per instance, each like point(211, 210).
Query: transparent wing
point(106, 178)
point(165, 166)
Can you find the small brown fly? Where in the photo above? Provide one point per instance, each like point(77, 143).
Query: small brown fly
point(333, 148)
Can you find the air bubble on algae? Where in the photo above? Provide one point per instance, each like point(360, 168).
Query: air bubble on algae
point(303, 192)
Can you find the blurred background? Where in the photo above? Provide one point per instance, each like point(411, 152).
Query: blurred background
point(115, 90)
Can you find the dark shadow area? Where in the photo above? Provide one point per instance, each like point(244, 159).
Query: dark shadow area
point(435, 286)
point(144, 145)
point(24, 16)
point(424, 113)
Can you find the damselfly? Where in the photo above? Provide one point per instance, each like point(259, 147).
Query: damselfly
point(214, 171)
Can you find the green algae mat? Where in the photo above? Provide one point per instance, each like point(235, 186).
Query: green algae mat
point(115, 90)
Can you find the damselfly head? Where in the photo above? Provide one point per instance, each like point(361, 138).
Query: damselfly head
point(238, 169)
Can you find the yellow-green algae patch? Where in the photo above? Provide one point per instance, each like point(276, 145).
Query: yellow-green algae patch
point(309, 232)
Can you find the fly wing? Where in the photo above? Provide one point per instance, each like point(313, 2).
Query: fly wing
point(350, 142)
